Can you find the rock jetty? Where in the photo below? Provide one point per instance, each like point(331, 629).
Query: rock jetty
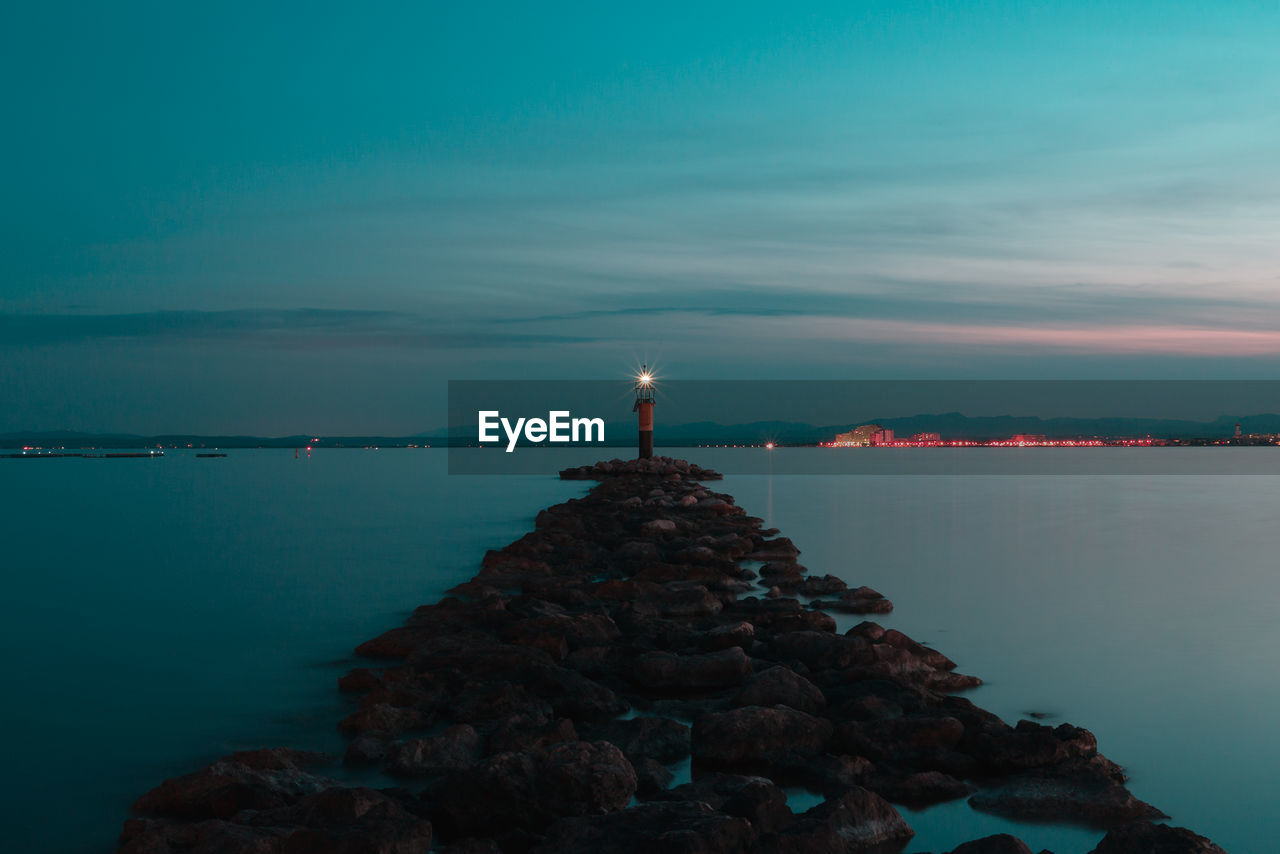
point(545, 705)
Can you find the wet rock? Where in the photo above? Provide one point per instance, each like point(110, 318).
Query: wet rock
point(757, 736)
point(820, 650)
point(254, 779)
point(658, 738)
point(890, 737)
point(856, 820)
point(520, 732)
point(1001, 843)
point(670, 828)
point(756, 799)
point(920, 789)
point(383, 718)
point(652, 776)
point(780, 686)
point(701, 672)
point(347, 821)
point(860, 600)
point(1147, 838)
point(366, 750)
point(813, 586)
point(1076, 790)
point(740, 634)
point(457, 747)
point(527, 791)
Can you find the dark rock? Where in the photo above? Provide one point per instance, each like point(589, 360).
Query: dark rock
point(740, 634)
point(1076, 790)
point(1146, 838)
point(919, 789)
point(814, 586)
point(1001, 843)
point(529, 790)
point(254, 779)
point(703, 672)
point(652, 776)
point(756, 799)
point(657, 738)
point(780, 686)
point(856, 820)
point(820, 650)
point(457, 747)
point(366, 750)
point(755, 735)
point(669, 828)
point(383, 718)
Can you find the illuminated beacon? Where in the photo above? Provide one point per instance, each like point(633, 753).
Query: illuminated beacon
point(644, 405)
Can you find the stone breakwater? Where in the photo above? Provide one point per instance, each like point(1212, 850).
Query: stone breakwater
point(540, 708)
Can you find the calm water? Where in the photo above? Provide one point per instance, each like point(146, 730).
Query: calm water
point(159, 613)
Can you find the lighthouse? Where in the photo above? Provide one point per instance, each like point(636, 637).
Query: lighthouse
point(644, 405)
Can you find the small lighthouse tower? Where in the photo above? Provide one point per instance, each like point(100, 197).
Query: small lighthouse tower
point(644, 405)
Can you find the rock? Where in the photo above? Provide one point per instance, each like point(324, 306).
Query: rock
point(383, 718)
point(347, 821)
point(820, 650)
point(856, 820)
point(669, 828)
point(659, 526)
point(756, 799)
point(1001, 843)
point(255, 779)
point(1076, 790)
point(740, 634)
point(780, 686)
point(820, 586)
point(656, 738)
point(519, 732)
point(527, 791)
point(920, 789)
point(456, 748)
point(702, 672)
point(755, 735)
point(896, 737)
point(652, 777)
point(1146, 838)
point(365, 750)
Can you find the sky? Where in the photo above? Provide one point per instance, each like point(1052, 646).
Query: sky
point(283, 218)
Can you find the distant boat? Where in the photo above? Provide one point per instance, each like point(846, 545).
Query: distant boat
point(210, 455)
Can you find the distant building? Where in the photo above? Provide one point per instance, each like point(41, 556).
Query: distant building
point(865, 436)
point(926, 437)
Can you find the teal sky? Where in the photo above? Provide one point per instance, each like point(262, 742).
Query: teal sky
point(281, 218)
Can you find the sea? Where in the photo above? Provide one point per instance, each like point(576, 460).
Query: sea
point(159, 613)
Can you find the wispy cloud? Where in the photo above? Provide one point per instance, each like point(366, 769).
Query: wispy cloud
point(328, 328)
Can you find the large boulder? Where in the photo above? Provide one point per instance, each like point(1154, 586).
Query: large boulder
point(755, 736)
point(669, 828)
point(334, 821)
point(252, 779)
point(527, 791)
point(1076, 790)
point(1001, 843)
point(1146, 838)
point(457, 747)
point(704, 672)
point(780, 686)
point(651, 737)
point(756, 799)
point(856, 820)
